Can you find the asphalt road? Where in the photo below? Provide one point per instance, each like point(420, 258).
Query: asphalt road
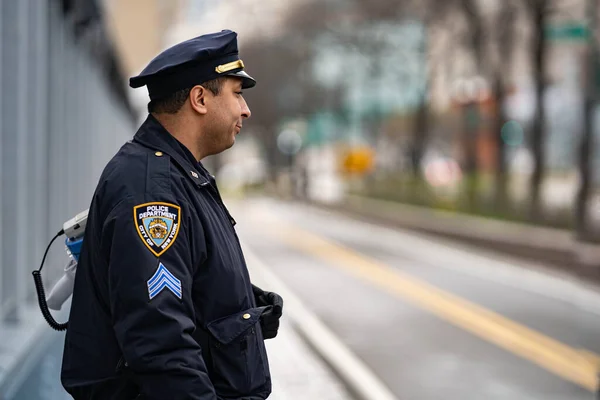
point(430, 319)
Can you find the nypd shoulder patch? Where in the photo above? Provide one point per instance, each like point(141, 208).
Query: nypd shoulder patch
point(163, 279)
point(157, 224)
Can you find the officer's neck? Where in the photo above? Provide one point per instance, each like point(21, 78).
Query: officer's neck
point(184, 130)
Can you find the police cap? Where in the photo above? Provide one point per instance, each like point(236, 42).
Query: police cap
point(191, 63)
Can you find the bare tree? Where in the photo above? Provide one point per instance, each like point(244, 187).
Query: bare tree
point(538, 11)
point(279, 65)
point(434, 14)
point(586, 145)
point(476, 41)
point(421, 129)
point(505, 35)
point(490, 61)
point(282, 64)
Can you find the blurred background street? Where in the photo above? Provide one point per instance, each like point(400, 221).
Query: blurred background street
point(420, 177)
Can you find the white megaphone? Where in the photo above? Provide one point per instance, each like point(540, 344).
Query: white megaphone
point(74, 230)
point(63, 288)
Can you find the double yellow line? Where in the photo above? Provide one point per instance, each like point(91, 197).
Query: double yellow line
point(578, 366)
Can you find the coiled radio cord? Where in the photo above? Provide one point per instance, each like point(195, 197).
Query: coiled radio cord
point(39, 287)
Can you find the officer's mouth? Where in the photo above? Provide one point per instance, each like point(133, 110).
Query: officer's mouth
point(238, 128)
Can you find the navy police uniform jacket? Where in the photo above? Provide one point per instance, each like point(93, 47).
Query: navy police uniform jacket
point(162, 305)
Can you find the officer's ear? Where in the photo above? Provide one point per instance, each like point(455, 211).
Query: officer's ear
point(198, 99)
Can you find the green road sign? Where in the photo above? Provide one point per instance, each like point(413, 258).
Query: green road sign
point(567, 31)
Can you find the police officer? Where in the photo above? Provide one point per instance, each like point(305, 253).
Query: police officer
point(163, 307)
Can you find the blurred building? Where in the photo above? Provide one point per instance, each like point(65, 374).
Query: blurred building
point(250, 18)
point(140, 30)
point(453, 69)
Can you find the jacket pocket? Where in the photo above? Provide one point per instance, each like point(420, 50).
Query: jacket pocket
point(239, 364)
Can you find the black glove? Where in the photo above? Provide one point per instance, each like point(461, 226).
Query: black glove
point(269, 320)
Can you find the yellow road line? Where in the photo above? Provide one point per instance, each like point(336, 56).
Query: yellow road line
point(592, 358)
point(573, 365)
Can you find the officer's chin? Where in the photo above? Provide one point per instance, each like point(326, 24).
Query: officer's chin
point(230, 144)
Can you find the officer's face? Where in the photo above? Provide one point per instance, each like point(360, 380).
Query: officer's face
point(227, 112)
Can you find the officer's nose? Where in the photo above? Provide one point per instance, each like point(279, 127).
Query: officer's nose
point(246, 113)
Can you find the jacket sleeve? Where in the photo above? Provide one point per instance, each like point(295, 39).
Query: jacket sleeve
point(150, 289)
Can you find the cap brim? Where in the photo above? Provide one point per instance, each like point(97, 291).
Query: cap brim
point(247, 81)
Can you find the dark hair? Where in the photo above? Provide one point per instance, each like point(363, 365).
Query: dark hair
point(172, 103)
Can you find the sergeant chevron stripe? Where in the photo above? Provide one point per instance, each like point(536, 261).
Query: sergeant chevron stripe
point(162, 279)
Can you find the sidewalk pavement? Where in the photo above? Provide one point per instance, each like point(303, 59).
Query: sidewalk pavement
point(305, 352)
point(297, 372)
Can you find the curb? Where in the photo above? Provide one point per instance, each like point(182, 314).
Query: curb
point(355, 375)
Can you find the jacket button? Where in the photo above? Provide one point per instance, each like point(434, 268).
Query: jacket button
point(246, 316)
point(158, 154)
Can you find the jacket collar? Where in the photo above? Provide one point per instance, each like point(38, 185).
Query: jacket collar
point(153, 135)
